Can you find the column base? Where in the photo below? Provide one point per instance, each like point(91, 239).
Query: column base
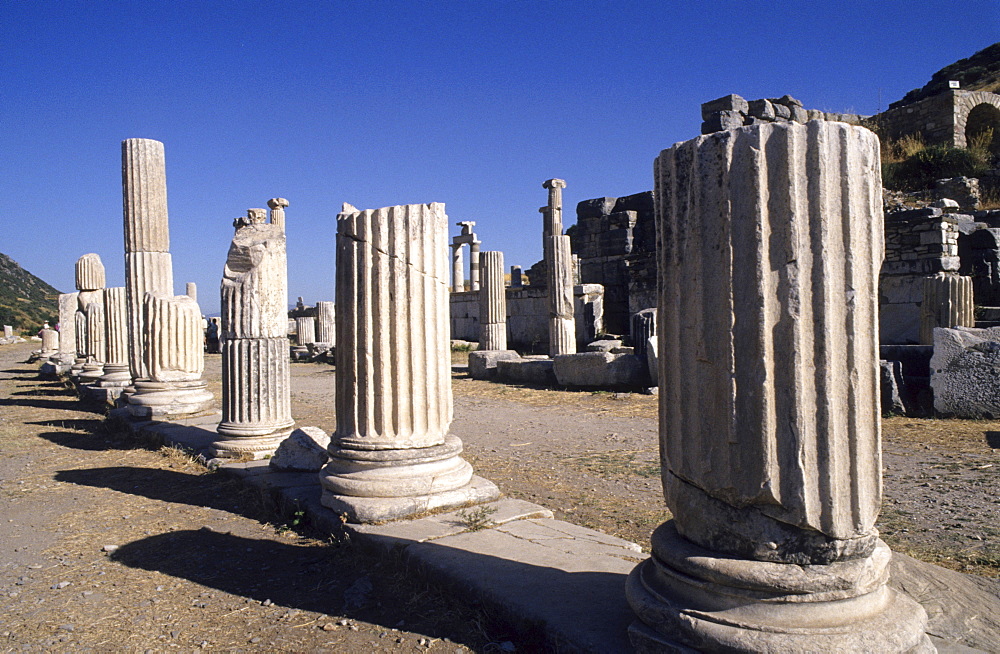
point(380, 485)
point(115, 376)
point(256, 445)
point(91, 373)
point(156, 399)
point(690, 599)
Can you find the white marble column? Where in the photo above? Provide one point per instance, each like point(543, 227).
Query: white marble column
point(305, 328)
point(174, 359)
point(326, 323)
point(191, 290)
point(769, 419)
point(256, 386)
point(457, 268)
point(559, 273)
point(148, 266)
point(948, 302)
point(474, 265)
point(492, 303)
point(50, 343)
point(67, 331)
point(392, 455)
point(116, 368)
point(90, 280)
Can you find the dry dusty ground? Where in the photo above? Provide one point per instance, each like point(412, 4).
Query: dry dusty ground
point(199, 557)
point(197, 561)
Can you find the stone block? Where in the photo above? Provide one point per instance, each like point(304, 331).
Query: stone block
point(762, 109)
point(891, 377)
point(722, 120)
point(595, 208)
point(535, 372)
point(599, 370)
point(781, 111)
point(731, 102)
point(603, 345)
point(304, 449)
point(798, 114)
point(965, 372)
point(483, 364)
point(638, 202)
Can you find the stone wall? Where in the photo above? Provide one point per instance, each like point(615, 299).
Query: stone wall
point(941, 119)
point(615, 240)
point(732, 111)
point(918, 243)
point(528, 316)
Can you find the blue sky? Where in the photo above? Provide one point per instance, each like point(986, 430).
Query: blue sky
point(473, 104)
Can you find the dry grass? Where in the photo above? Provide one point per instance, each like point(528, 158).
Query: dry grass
point(897, 150)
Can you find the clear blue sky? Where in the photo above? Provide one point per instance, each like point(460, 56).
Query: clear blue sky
point(473, 104)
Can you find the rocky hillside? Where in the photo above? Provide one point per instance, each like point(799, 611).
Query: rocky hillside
point(980, 72)
point(25, 300)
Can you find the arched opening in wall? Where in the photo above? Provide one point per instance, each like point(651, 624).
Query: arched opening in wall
point(984, 122)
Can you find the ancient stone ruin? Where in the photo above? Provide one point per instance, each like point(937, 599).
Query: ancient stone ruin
point(256, 385)
point(391, 455)
point(769, 423)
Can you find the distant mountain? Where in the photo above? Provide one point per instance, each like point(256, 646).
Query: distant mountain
point(980, 72)
point(25, 301)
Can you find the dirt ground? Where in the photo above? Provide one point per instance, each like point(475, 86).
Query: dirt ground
point(201, 563)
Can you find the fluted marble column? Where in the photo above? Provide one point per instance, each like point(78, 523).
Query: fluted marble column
point(305, 329)
point(148, 266)
point(50, 343)
point(559, 273)
point(90, 280)
point(392, 455)
point(769, 419)
point(948, 302)
point(116, 368)
point(174, 359)
point(256, 387)
point(492, 303)
point(326, 323)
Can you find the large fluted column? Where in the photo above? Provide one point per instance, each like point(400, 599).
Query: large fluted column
point(392, 455)
point(326, 323)
point(90, 280)
point(174, 359)
point(948, 302)
point(256, 387)
point(148, 267)
point(116, 368)
point(559, 273)
point(771, 243)
point(492, 303)
point(305, 330)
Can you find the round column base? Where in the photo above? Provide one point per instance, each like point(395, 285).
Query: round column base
point(255, 446)
point(688, 598)
point(158, 399)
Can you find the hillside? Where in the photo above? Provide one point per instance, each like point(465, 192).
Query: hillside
point(23, 298)
point(980, 72)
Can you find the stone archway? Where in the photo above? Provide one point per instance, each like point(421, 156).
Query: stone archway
point(975, 113)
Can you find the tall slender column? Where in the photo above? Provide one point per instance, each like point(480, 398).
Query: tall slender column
point(769, 419)
point(256, 386)
point(492, 303)
point(116, 368)
point(948, 302)
point(392, 455)
point(191, 290)
point(305, 327)
point(474, 265)
point(457, 268)
point(326, 323)
point(559, 273)
point(148, 267)
point(516, 277)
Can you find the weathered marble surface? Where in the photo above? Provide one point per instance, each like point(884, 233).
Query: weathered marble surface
point(492, 302)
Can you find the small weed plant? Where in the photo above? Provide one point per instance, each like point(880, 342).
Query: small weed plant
point(477, 519)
